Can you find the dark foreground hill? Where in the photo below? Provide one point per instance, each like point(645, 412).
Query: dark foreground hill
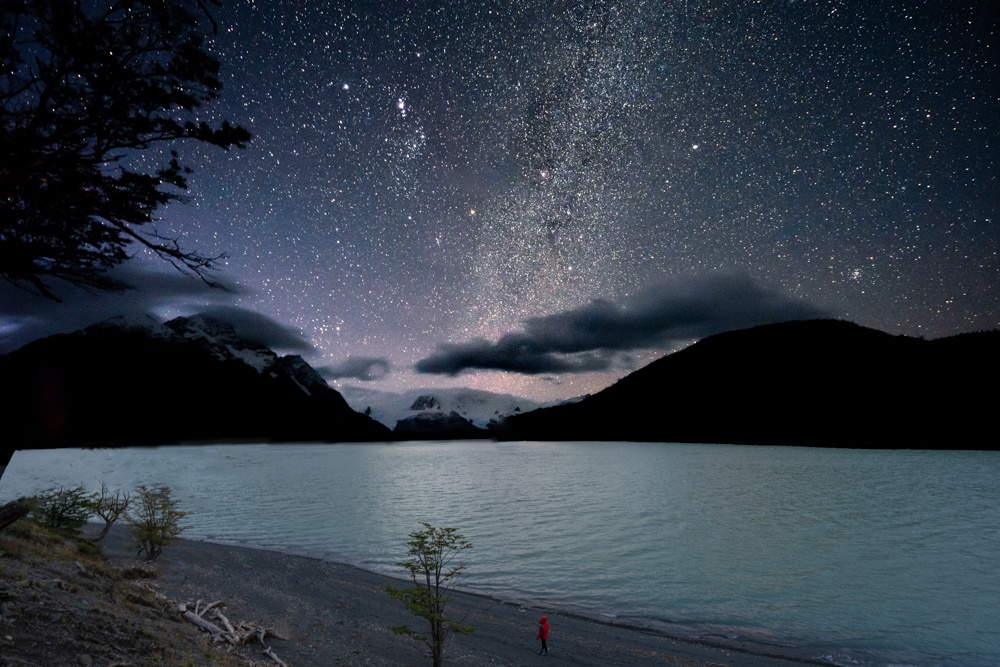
point(821, 383)
point(143, 384)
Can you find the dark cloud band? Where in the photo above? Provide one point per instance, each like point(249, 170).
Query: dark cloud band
point(516, 353)
point(257, 328)
point(585, 339)
point(366, 369)
point(25, 317)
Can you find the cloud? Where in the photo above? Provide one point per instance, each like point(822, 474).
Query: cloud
point(366, 369)
point(586, 338)
point(257, 328)
point(516, 353)
point(26, 316)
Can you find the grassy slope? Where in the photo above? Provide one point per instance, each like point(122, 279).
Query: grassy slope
point(60, 601)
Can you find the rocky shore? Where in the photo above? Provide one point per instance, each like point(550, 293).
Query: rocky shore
point(336, 614)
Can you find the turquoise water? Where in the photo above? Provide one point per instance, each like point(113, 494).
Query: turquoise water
point(851, 556)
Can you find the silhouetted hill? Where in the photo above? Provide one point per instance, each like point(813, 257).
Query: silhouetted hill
point(121, 383)
point(819, 382)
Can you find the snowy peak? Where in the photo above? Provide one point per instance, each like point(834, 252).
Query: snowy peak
point(478, 407)
point(437, 423)
point(221, 340)
point(129, 382)
point(211, 334)
point(305, 376)
point(135, 322)
point(425, 402)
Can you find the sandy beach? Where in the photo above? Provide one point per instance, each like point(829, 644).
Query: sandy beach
point(337, 614)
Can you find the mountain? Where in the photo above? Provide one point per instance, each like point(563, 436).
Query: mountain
point(480, 408)
point(437, 425)
point(143, 382)
point(820, 382)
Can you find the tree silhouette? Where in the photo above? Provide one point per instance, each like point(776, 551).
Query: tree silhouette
point(90, 90)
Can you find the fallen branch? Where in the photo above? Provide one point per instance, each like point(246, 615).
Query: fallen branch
point(255, 631)
point(216, 632)
point(269, 653)
point(225, 622)
point(197, 606)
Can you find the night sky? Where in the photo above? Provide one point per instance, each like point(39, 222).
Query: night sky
point(537, 196)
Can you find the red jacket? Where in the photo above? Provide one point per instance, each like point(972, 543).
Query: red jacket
point(543, 630)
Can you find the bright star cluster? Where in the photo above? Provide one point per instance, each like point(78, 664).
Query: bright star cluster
point(435, 172)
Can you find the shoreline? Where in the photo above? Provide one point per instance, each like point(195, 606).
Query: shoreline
point(338, 614)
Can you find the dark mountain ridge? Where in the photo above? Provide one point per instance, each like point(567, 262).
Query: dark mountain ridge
point(821, 383)
point(191, 379)
point(817, 382)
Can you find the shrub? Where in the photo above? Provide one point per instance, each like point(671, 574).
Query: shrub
point(64, 510)
point(155, 521)
point(88, 547)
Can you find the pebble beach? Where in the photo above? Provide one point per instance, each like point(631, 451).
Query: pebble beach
point(337, 614)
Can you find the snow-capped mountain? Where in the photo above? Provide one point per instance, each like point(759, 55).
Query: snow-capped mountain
point(140, 381)
point(220, 340)
point(477, 406)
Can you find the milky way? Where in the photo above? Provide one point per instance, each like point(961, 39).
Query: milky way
point(427, 173)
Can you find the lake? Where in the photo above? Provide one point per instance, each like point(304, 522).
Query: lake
point(857, 557)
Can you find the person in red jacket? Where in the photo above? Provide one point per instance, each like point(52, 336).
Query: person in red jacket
point(543, 634)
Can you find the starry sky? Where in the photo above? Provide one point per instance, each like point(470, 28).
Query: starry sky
point(537, 196)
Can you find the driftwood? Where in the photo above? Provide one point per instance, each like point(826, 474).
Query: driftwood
point(197, 620)
point(238, 634)
point(269, 653)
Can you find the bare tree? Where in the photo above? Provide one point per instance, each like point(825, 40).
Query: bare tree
point(110, 507)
